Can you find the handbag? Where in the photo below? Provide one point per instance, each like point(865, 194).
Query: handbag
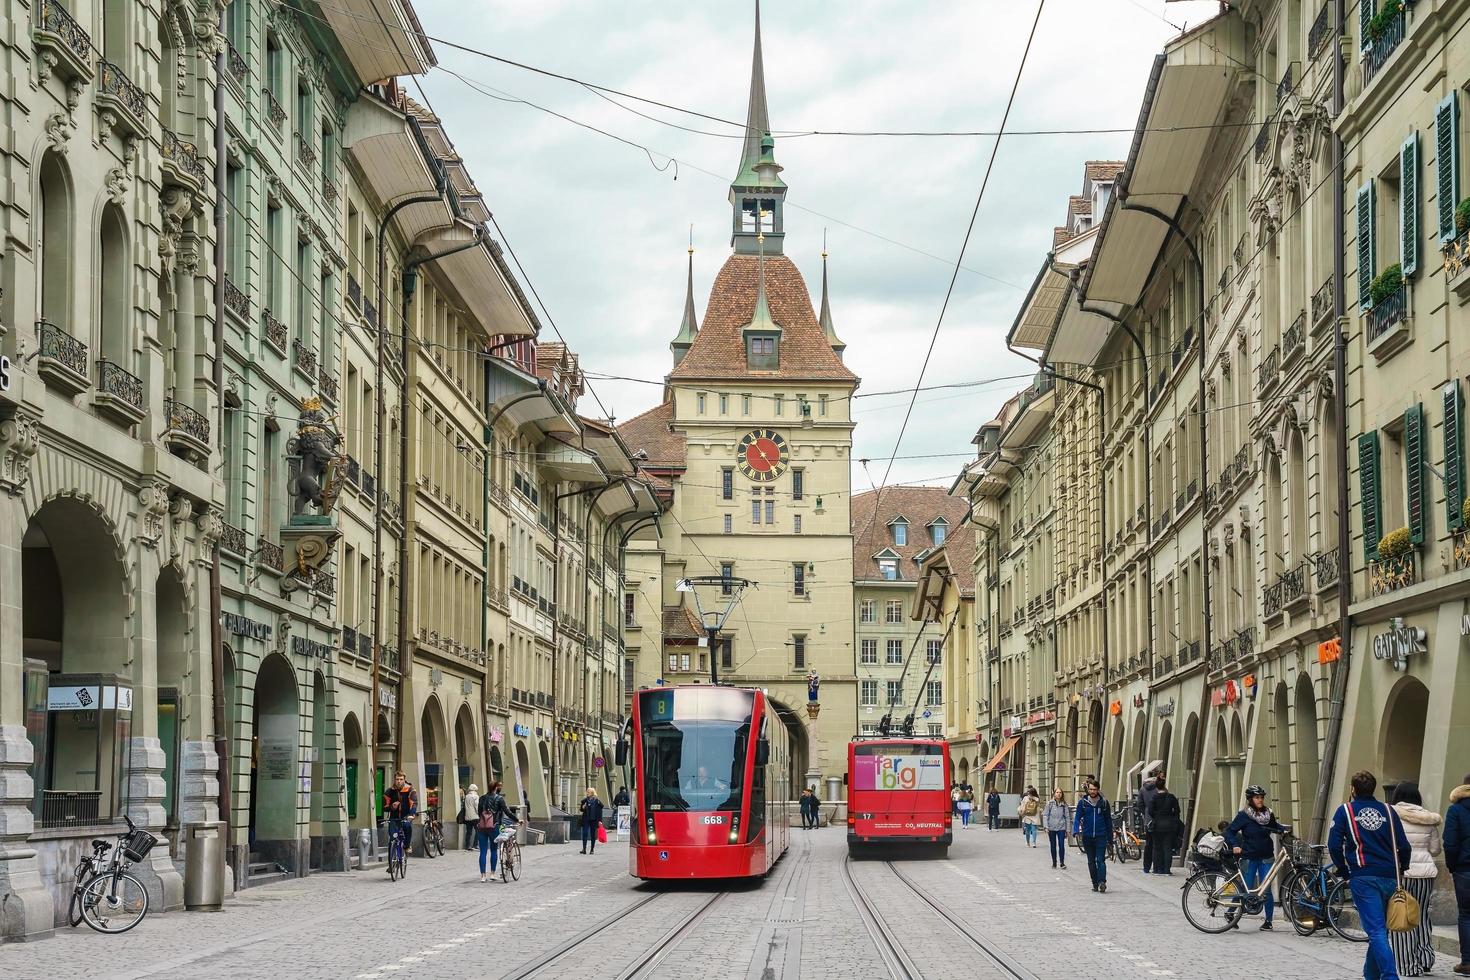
point(1402, 912)
point(601, 834)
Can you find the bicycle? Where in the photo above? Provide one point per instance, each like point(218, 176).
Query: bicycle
point(433, 834)
point(510, 856)
point(1126, 845)
point(1315, 896)
point(397, 851)
point(1214, 901)
point(104, 895)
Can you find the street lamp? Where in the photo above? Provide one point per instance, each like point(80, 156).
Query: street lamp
point(713, 621)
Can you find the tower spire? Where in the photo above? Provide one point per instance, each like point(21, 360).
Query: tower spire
point(826, 318)
point(757, 116)
point(689, 326)
point(757, 186)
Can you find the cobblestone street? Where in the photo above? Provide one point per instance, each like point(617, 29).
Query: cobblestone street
point(802, 921)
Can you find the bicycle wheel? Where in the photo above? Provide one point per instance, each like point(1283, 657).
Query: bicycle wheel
point(515, 861)
point(1119, 851)
point(1211, 901)
point(505, 859)
point(114, 903)
point(1342, 914)
point(439, 842)
point(1301, 903)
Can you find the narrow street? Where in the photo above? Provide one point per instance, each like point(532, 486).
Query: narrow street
point(801, 921)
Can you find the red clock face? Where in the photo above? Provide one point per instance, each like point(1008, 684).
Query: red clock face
point(762, 455)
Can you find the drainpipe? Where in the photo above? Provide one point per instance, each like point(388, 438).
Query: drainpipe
point(1338, 695)
point(1199, 267)
point(222, 736)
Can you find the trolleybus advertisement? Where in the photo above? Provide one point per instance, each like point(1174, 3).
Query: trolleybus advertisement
point(899, 772)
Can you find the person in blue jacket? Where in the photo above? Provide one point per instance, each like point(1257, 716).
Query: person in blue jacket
point(1093, 822)
point(1249, 838)
point(1368, 847)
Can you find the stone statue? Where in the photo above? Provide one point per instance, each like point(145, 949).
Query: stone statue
point(319, 473)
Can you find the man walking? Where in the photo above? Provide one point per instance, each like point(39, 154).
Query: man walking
point(1146, 793)
point(1093, 822)
point(1368, 846)
point(1164, 825)
point(992, 810)
point(1457, 862)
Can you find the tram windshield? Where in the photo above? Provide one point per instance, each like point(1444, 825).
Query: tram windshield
point(694, 747)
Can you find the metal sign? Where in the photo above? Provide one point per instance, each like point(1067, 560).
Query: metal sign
point(73, 698)
point(1399, 643)
point(301, 646)
point(244, 626)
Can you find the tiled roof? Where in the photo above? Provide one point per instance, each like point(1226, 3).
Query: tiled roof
point(1104, 169)
point(650, 434)
point(1079, 205)
point(680, 623)
point(959, 550)
point(1059, 235)
point(917, 505)
point(718, 350)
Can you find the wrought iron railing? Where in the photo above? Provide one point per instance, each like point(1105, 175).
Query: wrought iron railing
point(1322, 301)
point(269, 554)
point(275, 330)
point(1387, 313)
point(329, 189)
point(370, 313)
point(235, 299)
point(328, 383)
point(183, 418)
point(232, 539)
point(1457, 254)
point(1461, 549)
point(1320, 32)
point(1266, 370)
point(1295, 339)
point(70, 808)
point(238, 66)
point(369, 484)
point(113, 379)
point(1391, 574)
point(305, 152)
point(56, 19)
point(59, 346)
point(354, 471)
point(113, 81)
point(1245, 642)
point(182, 154)
point(1325, 568)
point(1287, 83)
point(1263, 140)
point(274, 111)
point(304, 357)
point(354, 291)
point(349, 639)
point(1376, 51)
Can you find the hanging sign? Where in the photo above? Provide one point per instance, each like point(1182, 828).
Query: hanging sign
point(1399, 643)
point(1116, 708)
point(497, 735)
point(1230, 692)
point(1331, 651)
point(1164, 710)
point(519, 729)
point(387, 697)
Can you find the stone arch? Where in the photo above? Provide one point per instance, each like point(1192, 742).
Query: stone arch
point(1401, 733)
point(1308, 758)
point(275, 777)
point(1281, 771)
point(359, 792)
point(436, 747)
point(466, 750)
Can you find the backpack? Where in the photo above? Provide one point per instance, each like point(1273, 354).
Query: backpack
point(1210, 845)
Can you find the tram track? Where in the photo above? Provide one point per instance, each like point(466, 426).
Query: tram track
point(899, 962)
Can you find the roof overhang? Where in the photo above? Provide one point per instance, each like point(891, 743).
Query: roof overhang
point(1029, 421)
point(524, 400)
point(928, 600)
point(396, 166)
point(571, 463)
point(1078, 336)
point(380, 38)
point(629, 498)
point(1188, 93)
point(1038, 314)
point(609, 448)
point(480, 281)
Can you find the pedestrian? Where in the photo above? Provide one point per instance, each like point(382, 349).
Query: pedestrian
point(492, 813)
point(1457, 863)
point(1165, 823)
point(1413, 951)
point(954, 798)
point(621, 799)
point(1368, 846)
point(1054, 818)
point(1093, 822)
point(1249, 837)
point(1146, 793)
point(1030, 813)
point(808, 819)
point(992, 810)
point(469, 813)
point(965, 805)
point(591, 808)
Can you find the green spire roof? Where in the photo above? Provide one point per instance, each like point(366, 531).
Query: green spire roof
point(826, 317)
point(757, 121)
point(689, 326)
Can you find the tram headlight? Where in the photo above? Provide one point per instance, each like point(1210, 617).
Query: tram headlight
point(735, 828)
point(652, 838)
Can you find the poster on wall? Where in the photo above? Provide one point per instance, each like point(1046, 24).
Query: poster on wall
point(625, 822)
point(71, 697)
point(275, 758)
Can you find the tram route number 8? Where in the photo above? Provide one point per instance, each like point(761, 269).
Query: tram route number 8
point(713, 821)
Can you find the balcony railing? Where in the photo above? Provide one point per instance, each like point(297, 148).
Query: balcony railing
point(1245, 642)
point(274, 111)
point(1325, 568)
point(1294, 341)
point(1290, 587)
point(305, 358)
point(275, 331)
point(1376, 51)
point(370, 313)
point(354, 291)
point(1391, 574)
point(1320, 32)
point(114, 83)
point(329, 190)
point(63, 357)
point(238, 66)
point(1263, 140)
point(1386, 314)
point(182, 418)
point(72, 42)
point(182, 155)
point(269, 554)
point(114, 381)
point(305, 152)
point(1457, 255)
point(232, 539)
point(1266, 370)
point(1287, 83)
point(369, 484)
point(235, 300)
point(1322, 301)
point(328, 383)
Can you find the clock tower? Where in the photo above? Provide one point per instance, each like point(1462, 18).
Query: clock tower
point(754, 437)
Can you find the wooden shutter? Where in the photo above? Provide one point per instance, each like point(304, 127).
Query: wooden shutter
point(1365, 243)
point(1368, 492)
point(1414, 470)
point(1365, 14)
point(1447, 164)
point(1409, 205)
point(1454, 455)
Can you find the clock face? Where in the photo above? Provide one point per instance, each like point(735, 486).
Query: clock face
point(763, 455)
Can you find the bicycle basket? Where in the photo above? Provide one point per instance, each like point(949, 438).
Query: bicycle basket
point(1303, 853)
point(136, 845)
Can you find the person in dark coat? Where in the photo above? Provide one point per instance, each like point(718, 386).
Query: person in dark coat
point(1249, 838)
point(622, 798)
point(1164, 825)
point(491, 803)
point(992, 809)
point(591, 808)
point(1093, 822)
point(1146, 793)
point(1457, 863)
point(1369, 848)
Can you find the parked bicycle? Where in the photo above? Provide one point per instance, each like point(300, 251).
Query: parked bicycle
point(105, 896)
point(510, 855)
point(1316, 898)
point(1216, 898)
point(433, 833)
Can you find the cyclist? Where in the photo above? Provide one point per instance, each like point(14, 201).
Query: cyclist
point(494, 814)
point(1249, 837)
point(401, 803)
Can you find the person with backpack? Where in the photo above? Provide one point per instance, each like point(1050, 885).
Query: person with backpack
point(1093, 822)
point(992, 810)
point(492, 813)
point(1146, 793)
point(1164, 825)
point(1368, 847)
point(1030, 813)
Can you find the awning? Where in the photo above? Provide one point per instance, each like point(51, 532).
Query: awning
point(1187, 93)
point(381, 38)
point(522, 400)
point(1000, 756)
point(1038, 314)
point(1079, 336)
point(394, 164)
point(481, 283)
point(571, 463)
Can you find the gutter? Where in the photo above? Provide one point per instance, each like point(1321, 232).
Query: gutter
point(223, 738)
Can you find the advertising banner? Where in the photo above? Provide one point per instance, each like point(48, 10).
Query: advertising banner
point(625, 822)
point(895, 772)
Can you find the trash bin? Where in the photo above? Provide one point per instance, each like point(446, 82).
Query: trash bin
point(204, 866)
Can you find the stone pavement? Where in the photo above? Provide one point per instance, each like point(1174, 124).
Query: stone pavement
point(801, 921)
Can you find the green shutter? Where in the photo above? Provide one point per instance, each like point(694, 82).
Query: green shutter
point(1454, 455)
point(1365, 14)
point(1409, 205)
point(1414, 470)
point(1447, 164)
point(1365, 244)
point(1368, 492)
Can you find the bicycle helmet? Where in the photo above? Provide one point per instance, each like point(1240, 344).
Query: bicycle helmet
point(1255, 789)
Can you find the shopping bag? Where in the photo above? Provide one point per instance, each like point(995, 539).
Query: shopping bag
point(602, 836)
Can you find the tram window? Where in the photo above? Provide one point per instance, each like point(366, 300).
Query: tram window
point(694, 748)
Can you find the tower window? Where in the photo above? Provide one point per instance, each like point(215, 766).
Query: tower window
point(724, 404)
point(798, 651)
point(761, 352)
point(699, 399)
point(727, 483)
point(798, 484)
point(744, 404)
point(780, 401)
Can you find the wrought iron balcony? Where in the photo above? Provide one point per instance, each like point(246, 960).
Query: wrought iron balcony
point(1322, 301)
point(1386, 314)
point(63, 358)
point(1377, 50)
point(328, 383)
point(1321, 30)
point(1245, 642)
point(239, 69)
point(1391, 574)
point(1457, 255)
point(275, 331)
point(274, 111)
point(354, 291)
point(388, 657)
point(329, 190)
point(1461, 549)
point(232, 539)
point(305, 358)
point(70, 47)
point(365, 646)
point(305, 152)
point(1263, 140)
point(1325, 568)
point(1266, 371)
point(1287, 83)
point(354, 471)
point(1223, 286)
point(235, 300)
point(181, 159)
point(369, 484)
point(349, 639)
point(370, 313)
point(1294, 342)
point(117, 90)
point(119, 392)
point(269, 554)
point(187, 430)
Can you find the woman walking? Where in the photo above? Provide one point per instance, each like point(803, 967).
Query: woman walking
point(1030, 816)
point(1249, 837)
point(491, 813)
point(469, 814)
point(591, 808)
point(1165, 823)
point(1054, 819)
point(965, 805)
point(1414, 950)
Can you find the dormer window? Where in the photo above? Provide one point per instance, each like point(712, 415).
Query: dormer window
point(937, 531)
point(900, 529)
point(887, 560)
point(761, 352)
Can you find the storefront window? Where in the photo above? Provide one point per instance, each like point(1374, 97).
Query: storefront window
point(83, 745)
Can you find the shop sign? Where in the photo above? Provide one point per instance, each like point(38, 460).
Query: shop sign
point(1399, 643)
point(387, 696)
point(301, 646)
point(243, 626)
point(1116, 708)
point(1230, 693)
point(1465, 625)
point(73, 698)
point(117, 698)
point(1331, 651)
point(597, 762)
point(1249, 682)
point(497, 735)
point(1164, 710)
point(521, 730)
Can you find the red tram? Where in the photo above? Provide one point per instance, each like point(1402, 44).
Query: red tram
point(711, 775)
point(898, 792)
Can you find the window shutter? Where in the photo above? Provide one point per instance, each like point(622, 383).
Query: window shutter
point(1365, 243)
point(1365, 14)
point(1447, 164)
point(1368, 493)
point(1454, 455)
point(1409, 205)
point(1414, 470)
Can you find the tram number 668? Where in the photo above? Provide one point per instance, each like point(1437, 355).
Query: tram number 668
point(711, 821)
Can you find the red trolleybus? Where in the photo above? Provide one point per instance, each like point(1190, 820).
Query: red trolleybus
point(898, 792)
point(711, 777)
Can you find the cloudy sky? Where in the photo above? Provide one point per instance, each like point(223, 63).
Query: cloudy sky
point(601, 226)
